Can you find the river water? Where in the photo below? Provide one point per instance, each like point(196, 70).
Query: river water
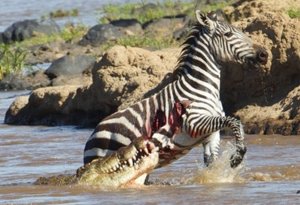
point(270, 174)
point(18, 10)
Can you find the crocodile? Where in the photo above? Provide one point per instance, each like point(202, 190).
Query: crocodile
point(120, 169)
point(124, 167)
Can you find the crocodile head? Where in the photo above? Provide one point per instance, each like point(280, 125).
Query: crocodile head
point(123, 167)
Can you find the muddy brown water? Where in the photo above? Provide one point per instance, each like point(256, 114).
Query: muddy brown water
point(269, 175)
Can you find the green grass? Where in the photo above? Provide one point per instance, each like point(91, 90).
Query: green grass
point(11, 59)
point(69, 33)
point(294, 13)
point(143, 42)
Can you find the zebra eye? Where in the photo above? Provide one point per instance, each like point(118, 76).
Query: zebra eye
point(228, 34)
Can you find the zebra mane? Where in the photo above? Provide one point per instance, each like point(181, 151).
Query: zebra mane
point(186, 47)
point(178, 71)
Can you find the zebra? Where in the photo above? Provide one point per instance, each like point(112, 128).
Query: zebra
point(210, 41)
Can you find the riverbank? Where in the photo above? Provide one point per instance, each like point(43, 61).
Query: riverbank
point(265, 99)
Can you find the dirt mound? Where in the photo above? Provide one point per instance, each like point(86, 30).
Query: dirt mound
point(125, 73)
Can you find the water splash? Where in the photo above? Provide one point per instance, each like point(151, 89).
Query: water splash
point(220, 171)
point(274, 173)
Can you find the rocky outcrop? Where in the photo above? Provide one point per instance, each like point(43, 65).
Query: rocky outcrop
point(71, 70)
point(70, 65)
point(166, 26)
point(19, 81)
point(22, 30)
point(282, 117)
point(120, 78)
point(101, 33)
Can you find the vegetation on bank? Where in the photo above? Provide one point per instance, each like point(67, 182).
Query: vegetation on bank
point(294, 13)
point(145, 12)
point(13, 56)
point(11, 59)
point(59, 13)
point(68, 34)
point(143, 42)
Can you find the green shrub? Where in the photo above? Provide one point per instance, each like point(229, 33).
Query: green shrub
point(11, 60)
point(294, 13)
point(71, 32)
point(63, 13)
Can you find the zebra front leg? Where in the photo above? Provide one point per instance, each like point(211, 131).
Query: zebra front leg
point(203, 125)
point(241, 149)
point(211, 147)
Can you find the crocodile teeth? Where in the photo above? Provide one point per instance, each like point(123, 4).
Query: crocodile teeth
point(130, 161)
point(146, 150)
point(134, 157)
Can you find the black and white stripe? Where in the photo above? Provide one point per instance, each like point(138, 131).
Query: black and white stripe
point(198, 80)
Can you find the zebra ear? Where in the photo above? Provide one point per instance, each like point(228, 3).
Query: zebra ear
point(204, 20)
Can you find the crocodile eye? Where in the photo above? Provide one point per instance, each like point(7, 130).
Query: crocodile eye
point(228, 34)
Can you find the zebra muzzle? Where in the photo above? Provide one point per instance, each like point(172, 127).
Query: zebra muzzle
point(262, 56)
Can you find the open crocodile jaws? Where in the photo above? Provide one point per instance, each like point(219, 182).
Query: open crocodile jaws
point(121, 168)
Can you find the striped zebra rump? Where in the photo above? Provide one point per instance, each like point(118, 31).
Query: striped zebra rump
point(118, 130)
point(121, 128)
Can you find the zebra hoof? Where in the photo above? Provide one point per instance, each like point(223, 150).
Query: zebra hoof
point(208, 160)
point(238, 157)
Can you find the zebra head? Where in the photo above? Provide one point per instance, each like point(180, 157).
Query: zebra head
point(228, 43)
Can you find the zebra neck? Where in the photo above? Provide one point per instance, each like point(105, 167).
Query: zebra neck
point(198, 68)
